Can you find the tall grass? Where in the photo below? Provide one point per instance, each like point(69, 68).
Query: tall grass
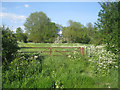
point(38, 71)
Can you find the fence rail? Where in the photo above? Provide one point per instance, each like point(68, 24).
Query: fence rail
point(50, 50)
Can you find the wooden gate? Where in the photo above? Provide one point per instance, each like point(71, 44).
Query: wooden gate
point(55, 50)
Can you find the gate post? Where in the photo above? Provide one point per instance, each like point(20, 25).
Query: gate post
point(89, 51)
point(50, 50)
point(82, 50)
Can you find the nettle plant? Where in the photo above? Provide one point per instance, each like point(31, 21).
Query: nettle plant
point(102, 61)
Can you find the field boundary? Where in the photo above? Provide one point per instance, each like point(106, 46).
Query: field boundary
point(82, 50)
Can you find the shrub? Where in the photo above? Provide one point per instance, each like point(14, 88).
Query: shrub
point(103, 61)
point(9, 45)
point(24, 68)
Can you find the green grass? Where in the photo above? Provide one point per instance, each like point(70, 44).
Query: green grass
point(60, 71)
point(72, 74)
point(52, 44)
point(77, 73)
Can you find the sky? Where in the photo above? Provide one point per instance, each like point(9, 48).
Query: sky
point(14, 14)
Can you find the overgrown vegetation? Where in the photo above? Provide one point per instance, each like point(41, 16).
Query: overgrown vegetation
point(35, 70)
point(108, 25)
point(9, 45)
point(74, 71)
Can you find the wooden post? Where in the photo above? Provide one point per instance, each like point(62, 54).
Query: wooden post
point(50, 50)
point(82, 50)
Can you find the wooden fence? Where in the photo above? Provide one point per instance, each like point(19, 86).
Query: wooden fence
point(50, 50)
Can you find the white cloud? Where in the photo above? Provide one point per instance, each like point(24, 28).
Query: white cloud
point(1, 15)
point(22, 27)
point(60, 32)
point(14, 28)
point(14, 18)
point(26, 5)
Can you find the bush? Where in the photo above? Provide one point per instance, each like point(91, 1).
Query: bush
point(103, 61)
point(25, 72)
point(21, 67)
point(64, 41)
point(9, 45)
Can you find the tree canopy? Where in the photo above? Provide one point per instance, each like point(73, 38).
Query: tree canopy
point(76, 33)
point(40, 28)
point(108, 24)
point(22, 37)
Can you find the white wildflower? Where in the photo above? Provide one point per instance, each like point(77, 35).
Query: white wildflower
point(57, 86)
point(35, 57)
point(110, 62)
point(116, 66)
point(69, 56)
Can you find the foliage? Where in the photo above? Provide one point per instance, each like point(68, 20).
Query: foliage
point(35, 71)
point(23, 71)
point(108, 25)
point(75, 71)
point(39, 28)
point(9, 45)
point(76, 33)
point(20, 35)
point(93, 34)
point(25, 37)
point(103, 61)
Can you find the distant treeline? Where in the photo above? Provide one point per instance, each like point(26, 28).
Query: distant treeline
point(40, 29)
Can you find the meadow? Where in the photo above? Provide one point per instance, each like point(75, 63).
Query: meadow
point(35, 70)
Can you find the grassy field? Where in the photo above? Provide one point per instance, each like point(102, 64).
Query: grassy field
point(52, 44)
point(73, 71)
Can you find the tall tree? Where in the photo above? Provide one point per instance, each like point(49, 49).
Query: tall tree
point(76, 33)
point(20, 35)
point(19, 30)
point(39, 28)
point(90, 28)
point(108, 24)
point(93, 34)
